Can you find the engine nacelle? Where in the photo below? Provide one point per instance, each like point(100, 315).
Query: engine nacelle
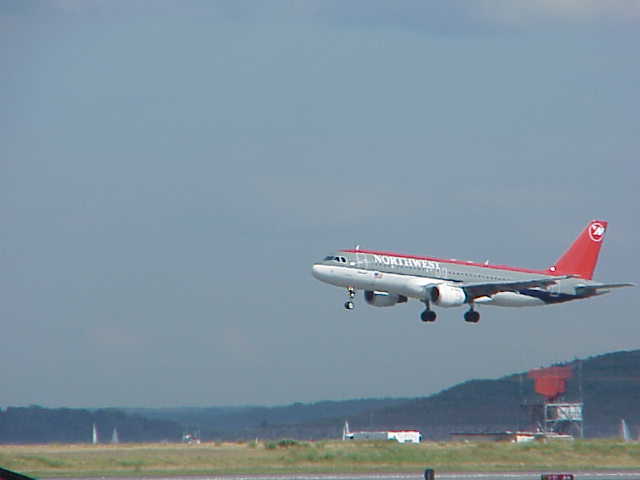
point(448, 296)
point(383, 299)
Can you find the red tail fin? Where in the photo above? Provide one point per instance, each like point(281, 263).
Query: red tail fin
point(582, 256)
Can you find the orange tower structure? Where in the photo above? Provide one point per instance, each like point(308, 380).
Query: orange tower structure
point(551, 382)
point(559, 417)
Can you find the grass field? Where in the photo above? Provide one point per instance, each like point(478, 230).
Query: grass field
point(313, 457)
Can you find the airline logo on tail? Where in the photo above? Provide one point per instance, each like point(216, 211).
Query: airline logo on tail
point(582, 256)
point(596, 231)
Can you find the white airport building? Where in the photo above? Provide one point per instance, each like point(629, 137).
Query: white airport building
point(400, 436)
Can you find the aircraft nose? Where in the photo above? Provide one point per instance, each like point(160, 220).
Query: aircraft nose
point(321, 271)
point(316, 270)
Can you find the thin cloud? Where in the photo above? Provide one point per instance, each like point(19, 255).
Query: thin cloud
point(574, 11)
point(477, 16)
point(451, 17)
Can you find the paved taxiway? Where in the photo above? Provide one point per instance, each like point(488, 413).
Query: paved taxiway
point(609, 475)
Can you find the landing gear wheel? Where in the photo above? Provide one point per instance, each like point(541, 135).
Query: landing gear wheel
point(428, 316)
point(471, 316)
point(351, 293)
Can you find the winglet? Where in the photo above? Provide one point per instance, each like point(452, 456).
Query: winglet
point(582, 256)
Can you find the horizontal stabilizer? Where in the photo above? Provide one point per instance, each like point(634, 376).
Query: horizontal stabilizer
point(602, 286)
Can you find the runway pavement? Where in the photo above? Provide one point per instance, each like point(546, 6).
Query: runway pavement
point(608, 475)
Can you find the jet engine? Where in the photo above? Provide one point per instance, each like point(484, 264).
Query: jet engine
point(448, 296)
point(383, 299)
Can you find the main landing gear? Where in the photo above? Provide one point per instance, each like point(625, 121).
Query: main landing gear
point(428, 315)
point(471, 316)
point(349, 305)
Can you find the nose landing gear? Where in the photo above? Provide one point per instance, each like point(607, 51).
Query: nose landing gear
point(349, 305)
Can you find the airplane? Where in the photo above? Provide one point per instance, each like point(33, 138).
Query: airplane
point(390, 278)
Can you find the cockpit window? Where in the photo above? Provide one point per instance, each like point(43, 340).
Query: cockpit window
point(332, 258)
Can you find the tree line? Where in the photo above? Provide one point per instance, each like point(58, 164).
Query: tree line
point(35, 424)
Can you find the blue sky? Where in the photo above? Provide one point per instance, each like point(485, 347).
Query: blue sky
point(171, 170)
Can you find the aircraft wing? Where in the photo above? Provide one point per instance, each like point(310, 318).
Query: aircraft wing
point(486, 289)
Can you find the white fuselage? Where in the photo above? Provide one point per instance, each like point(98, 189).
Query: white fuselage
point(409, 276)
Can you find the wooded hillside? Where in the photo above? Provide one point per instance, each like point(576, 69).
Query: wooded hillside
point(609, 386)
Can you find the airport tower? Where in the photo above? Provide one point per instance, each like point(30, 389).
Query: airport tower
point(555, 416)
